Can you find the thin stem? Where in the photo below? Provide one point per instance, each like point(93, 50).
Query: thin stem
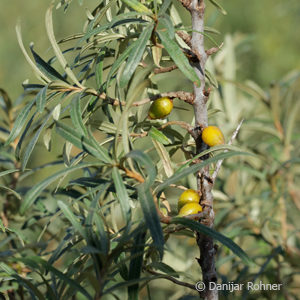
point(170, 278)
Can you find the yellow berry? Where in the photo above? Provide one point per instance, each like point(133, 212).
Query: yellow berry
point(190, 209)
point(160, 108)
point(212, 136)
point(188, 196)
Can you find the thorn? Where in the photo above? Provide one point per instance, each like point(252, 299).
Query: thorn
point(214, 50)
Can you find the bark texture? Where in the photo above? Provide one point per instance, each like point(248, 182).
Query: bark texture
point(204, 183)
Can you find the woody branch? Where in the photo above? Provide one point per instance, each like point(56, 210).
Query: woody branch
point(205, 243)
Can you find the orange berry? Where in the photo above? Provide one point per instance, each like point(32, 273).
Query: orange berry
point(190, 209)
point(212, 136)
point(188, 196)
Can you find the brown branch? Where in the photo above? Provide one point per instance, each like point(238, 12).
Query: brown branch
point(185, 37)
point(205, 243)
point(214, 50)
point(170, 278)
point(165, 69)
point(219, 163)
point(142, 134)
point(137, 176)
point(181, 95)
point(168, 219)
point(182, 124)
point(172, 229)
point(186, 3)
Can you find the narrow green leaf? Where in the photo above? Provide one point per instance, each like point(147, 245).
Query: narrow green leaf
point(218, 6)
point(47, 138)
point(11, 191)
point(2, 227)
point(98, 146)
point(165, 24)
point(136, 264)
point(82, 142)
point(99, 69)
point(116, 65)
point(71, 217)
point(102, 233)
point(165, 5)
point(138, 6)
point(211, 78)
point(3, 135)
point(76, 115)
point(102, 242)
point(33, 142)
point(56, 112)
point(98, 17)
point(57, 51)
point(164, 157)
point(62, 276)
point(6, 100)
point(144, 160)
point(135, 55)
point(204, 34)
point(157, 55)
point(26, 283)
point(155, 6)
point(37, 189)
point(121, 193)
point(47, 69)
point(64, 244)
point(50, 292)
point(212, 112)
point(8, 172)
point(19, 122)
point(192, 169)
point(151, 216)
point(107, 127)
point(194, 225)
point(208, 151)
point(178, 57)
point(158, 136)
point(28, 128)
point(41, 99)
point(59, 85)
point(40, 74)
point(126, 18)
point(211, 30)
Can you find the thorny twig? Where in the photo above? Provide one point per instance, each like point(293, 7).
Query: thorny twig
point(219, 163)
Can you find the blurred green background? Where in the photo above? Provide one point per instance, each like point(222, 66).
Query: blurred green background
point(268, 32)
